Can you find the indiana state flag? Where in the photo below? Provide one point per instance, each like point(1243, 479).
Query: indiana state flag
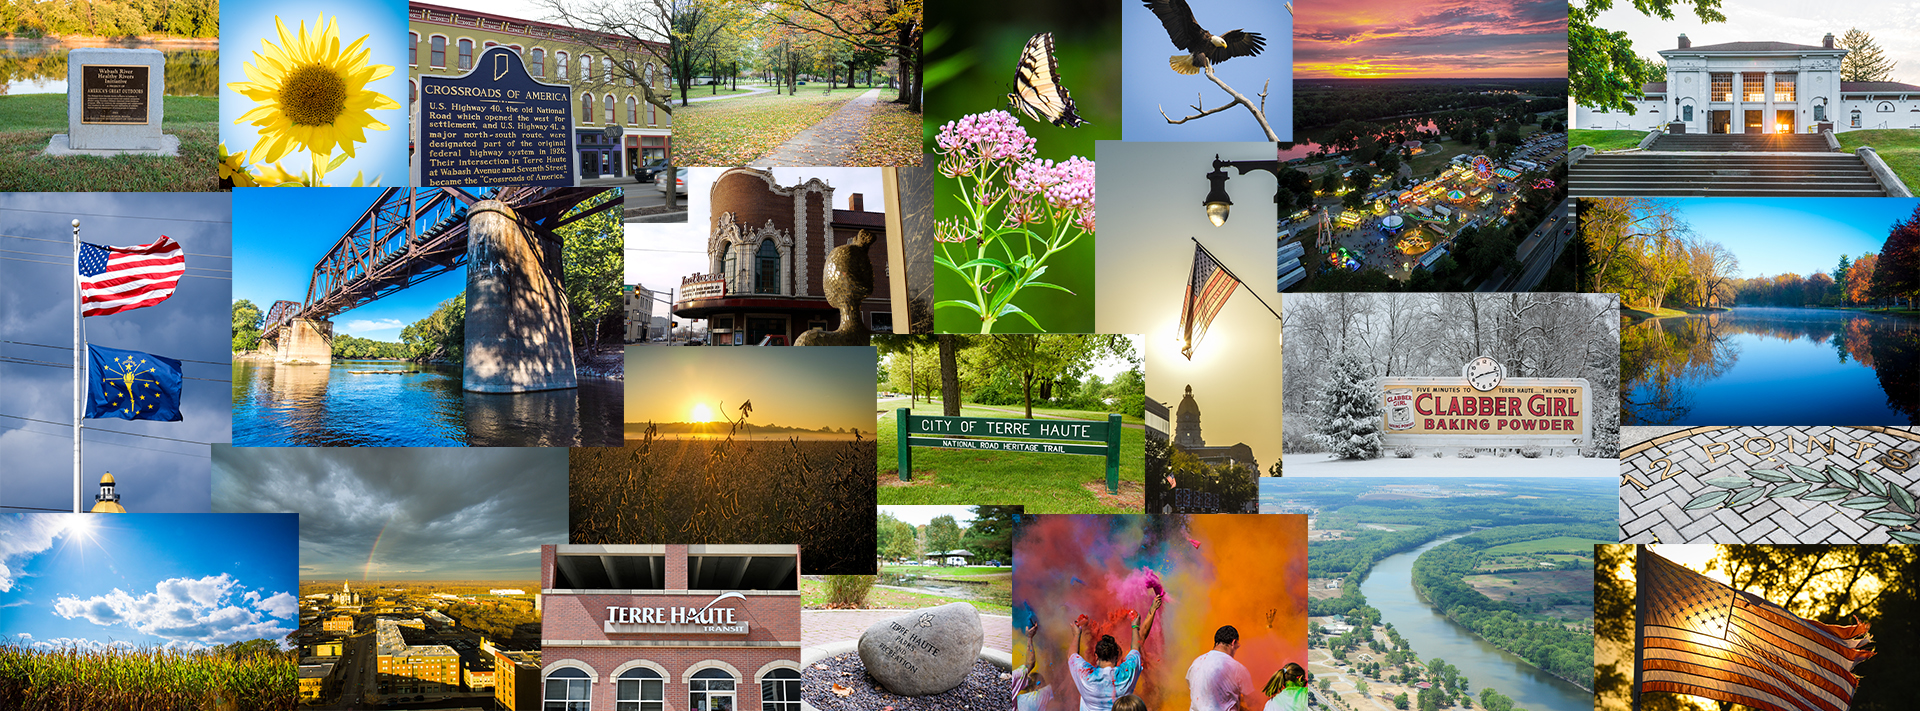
point(132, 385)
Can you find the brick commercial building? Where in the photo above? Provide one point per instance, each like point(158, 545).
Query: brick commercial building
point(767, 246)
point(408, 669)
point(445, 40)
point(684, 627)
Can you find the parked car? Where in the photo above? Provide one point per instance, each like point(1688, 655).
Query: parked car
point(648, 170)
point(694, 342)
point(679, 180)
point(776, 340)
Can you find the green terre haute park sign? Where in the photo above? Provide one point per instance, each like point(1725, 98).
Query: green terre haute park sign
point(1010, 435)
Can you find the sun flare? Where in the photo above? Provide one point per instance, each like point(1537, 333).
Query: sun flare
point(701, 413)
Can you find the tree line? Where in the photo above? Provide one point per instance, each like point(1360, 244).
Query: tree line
point(1320, 102)
point(989, 538)
point(111, 18)
point(1517, 627)
point(1012, 369)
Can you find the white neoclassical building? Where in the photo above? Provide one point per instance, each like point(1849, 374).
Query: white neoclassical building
point(1760, 87)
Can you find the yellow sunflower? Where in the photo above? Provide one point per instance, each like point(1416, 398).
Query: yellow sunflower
point(311, 94)
point(233, 168)
point(274, 175)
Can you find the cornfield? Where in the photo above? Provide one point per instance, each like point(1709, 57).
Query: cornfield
point(144, 680)
point(819, 495)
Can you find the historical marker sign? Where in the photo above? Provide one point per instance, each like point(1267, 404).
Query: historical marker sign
point(114, 94)
point(495, 126)
point(1010, 435)
point(1484, 408)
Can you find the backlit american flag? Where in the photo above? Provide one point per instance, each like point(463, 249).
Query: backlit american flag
point(115, 279)
point(1208, 287)
point(1702, 638)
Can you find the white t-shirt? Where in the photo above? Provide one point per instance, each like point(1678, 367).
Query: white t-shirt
point(1099, 686)
point(1293, 698)
point(1036, 700)
point(1217, 682)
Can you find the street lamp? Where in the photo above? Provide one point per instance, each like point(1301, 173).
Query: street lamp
point(1217, 202)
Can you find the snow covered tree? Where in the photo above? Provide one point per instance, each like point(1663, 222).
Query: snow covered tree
point(1350, 411)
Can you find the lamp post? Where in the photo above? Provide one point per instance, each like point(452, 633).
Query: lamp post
point(1218, 204)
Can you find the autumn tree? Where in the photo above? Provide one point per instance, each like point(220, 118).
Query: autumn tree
point(889, 26)
point(1858, 287)
point(633, 34)
point(1897, 275)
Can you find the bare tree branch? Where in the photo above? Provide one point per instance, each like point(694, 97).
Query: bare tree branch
point(1259, 112)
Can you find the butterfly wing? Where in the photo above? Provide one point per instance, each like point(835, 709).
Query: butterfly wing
point(1037, 91)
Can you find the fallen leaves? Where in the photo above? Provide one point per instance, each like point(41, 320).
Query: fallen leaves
point(892, 138)
point(839, 690)
point(736, 131)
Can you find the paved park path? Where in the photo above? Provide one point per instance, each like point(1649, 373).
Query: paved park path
point(831, 141)
point(818, 627)
point(751, 91)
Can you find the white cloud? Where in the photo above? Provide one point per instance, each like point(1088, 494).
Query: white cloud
point(23, 536)
point(281, 605)
point(189, 611)
point(363, 325)
point(60, 643)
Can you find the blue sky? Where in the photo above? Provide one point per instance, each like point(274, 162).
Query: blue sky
point(1774, 236)
point(283, 233)
point(243, 23)
point(1149, 85)
point(36, 317)
point(179, 580)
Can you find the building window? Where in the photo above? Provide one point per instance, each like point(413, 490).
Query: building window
point(1856, 118)
point(640, 689)
point(586, 108)
point(633, 111)
point(1884, 107)
point(766, 269)
point(466, 54)
point(607, 65)
point(1783, 87)
point(612, 117)
point(567, 690)
point(437, 52)
point(881, 321)
point(728, 268)
point(586, 67)
point(780, 690)
point(653, 118)
point(709, 690)
point(1686, 113)
point(1722, 87)
point(629, 72)
point(560, 64)
point(1753, 86)
point(413, 49)
point(648, 75)
point(539, 62)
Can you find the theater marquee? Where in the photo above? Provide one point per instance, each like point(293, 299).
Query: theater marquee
point(1465, 411)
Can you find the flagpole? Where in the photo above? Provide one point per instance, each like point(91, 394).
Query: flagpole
point(1639, 616)
point(79, 368)
point(1236, 277)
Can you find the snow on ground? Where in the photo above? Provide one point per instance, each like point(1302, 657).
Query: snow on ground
point(1305, 465)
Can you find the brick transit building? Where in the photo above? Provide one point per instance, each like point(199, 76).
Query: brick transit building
point(767, 245)
point(680, 627)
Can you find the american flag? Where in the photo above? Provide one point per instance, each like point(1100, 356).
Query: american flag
point(1702, 638)
point(116, 279)
point(1208, 287)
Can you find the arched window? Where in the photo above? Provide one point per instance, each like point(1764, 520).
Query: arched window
point(568, 690)
point(586, 108)
point(560, 64)
point(466, 54)
point(413, 49)
point(437, 52)
point(1884, 107)
point(653, 116)
point(612, 116)
point(586, 67)
point(1856, 118)
point(780, 690)
point(413, 92)
point(640, 689)
point(539, 62)
point(633, 111)
point(491, 43)
point(730, 265)
point(766, 269)
point(710, 690)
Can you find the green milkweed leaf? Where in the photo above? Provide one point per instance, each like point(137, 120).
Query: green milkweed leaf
point(955, 302)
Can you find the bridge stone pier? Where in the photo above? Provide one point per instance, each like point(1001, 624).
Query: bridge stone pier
point(305, 340)
point(518, 336)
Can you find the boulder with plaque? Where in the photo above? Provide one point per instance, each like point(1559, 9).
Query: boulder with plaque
point(115, 104)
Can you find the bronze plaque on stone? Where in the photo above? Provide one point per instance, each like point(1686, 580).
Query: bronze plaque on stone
point(114, 93)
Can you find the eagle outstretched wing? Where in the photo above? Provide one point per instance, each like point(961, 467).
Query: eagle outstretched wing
point(1240, 43)
point(1181, 27)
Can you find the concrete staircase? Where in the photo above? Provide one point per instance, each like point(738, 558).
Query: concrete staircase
point(1765, 142)
point(1692, 173)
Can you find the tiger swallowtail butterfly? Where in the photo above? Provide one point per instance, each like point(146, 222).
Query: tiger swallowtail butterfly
point(1037, 91)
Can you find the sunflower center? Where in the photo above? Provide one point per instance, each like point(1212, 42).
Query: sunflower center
point(313, 95)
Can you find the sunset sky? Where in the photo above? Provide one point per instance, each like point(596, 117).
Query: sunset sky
point(1367, 39)
point(810, 387)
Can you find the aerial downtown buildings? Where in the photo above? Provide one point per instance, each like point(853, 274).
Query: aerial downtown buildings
point(652, 627)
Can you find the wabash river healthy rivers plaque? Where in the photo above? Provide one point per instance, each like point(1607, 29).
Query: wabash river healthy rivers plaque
point(111, 93)
point(495, 126)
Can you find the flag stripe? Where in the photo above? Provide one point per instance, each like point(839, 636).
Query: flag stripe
point(1758, 660)
point(116, 279)
point(1711, 693)
point(1796, 626)
point(1838, 671)
point(1702, 658)
point(1208, 287)
point(1691, 672)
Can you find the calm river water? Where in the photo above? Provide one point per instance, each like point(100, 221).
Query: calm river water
point(1389, 588)
point(1771, 366)
point(34, 67)
point(328, 406)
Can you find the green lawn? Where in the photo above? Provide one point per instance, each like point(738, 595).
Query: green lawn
point(813, 595)
point(976, 410)
point(1900, 148)
point(1605, 140)
point(29, 120)
point(1044, 483)
point(1662, 312)
point(1544, 545)
point(736, 131)
point(954, 572)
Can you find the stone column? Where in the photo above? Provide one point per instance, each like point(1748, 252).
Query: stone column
point(306, 340)
point(1737, 118)
point(518, 337)
point(1768, 118)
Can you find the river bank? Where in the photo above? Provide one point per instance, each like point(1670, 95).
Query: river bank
point(1420, 590)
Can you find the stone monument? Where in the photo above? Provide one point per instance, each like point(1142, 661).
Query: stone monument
point(926, 651)
point(848, 280)
point(115, 104)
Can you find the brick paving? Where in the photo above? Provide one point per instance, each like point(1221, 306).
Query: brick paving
point(1663, 468)
point(818, 627)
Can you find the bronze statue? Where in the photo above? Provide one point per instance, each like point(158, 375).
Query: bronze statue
point(848, 280)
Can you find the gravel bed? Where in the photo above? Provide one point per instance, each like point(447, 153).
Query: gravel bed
point(986, 687)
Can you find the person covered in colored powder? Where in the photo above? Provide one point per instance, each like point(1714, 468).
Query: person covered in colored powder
point(1030, 690)
point(1109, 677)
point(1129, 703)
point(1216, 681)
point(1287, 689)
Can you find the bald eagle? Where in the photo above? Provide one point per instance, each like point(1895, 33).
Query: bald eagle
point(1197, 41)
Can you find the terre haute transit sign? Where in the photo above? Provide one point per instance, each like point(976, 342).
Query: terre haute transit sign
point(979, 433)
point(495, 126)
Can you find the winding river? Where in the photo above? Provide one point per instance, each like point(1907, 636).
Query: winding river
point(1389, 588)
